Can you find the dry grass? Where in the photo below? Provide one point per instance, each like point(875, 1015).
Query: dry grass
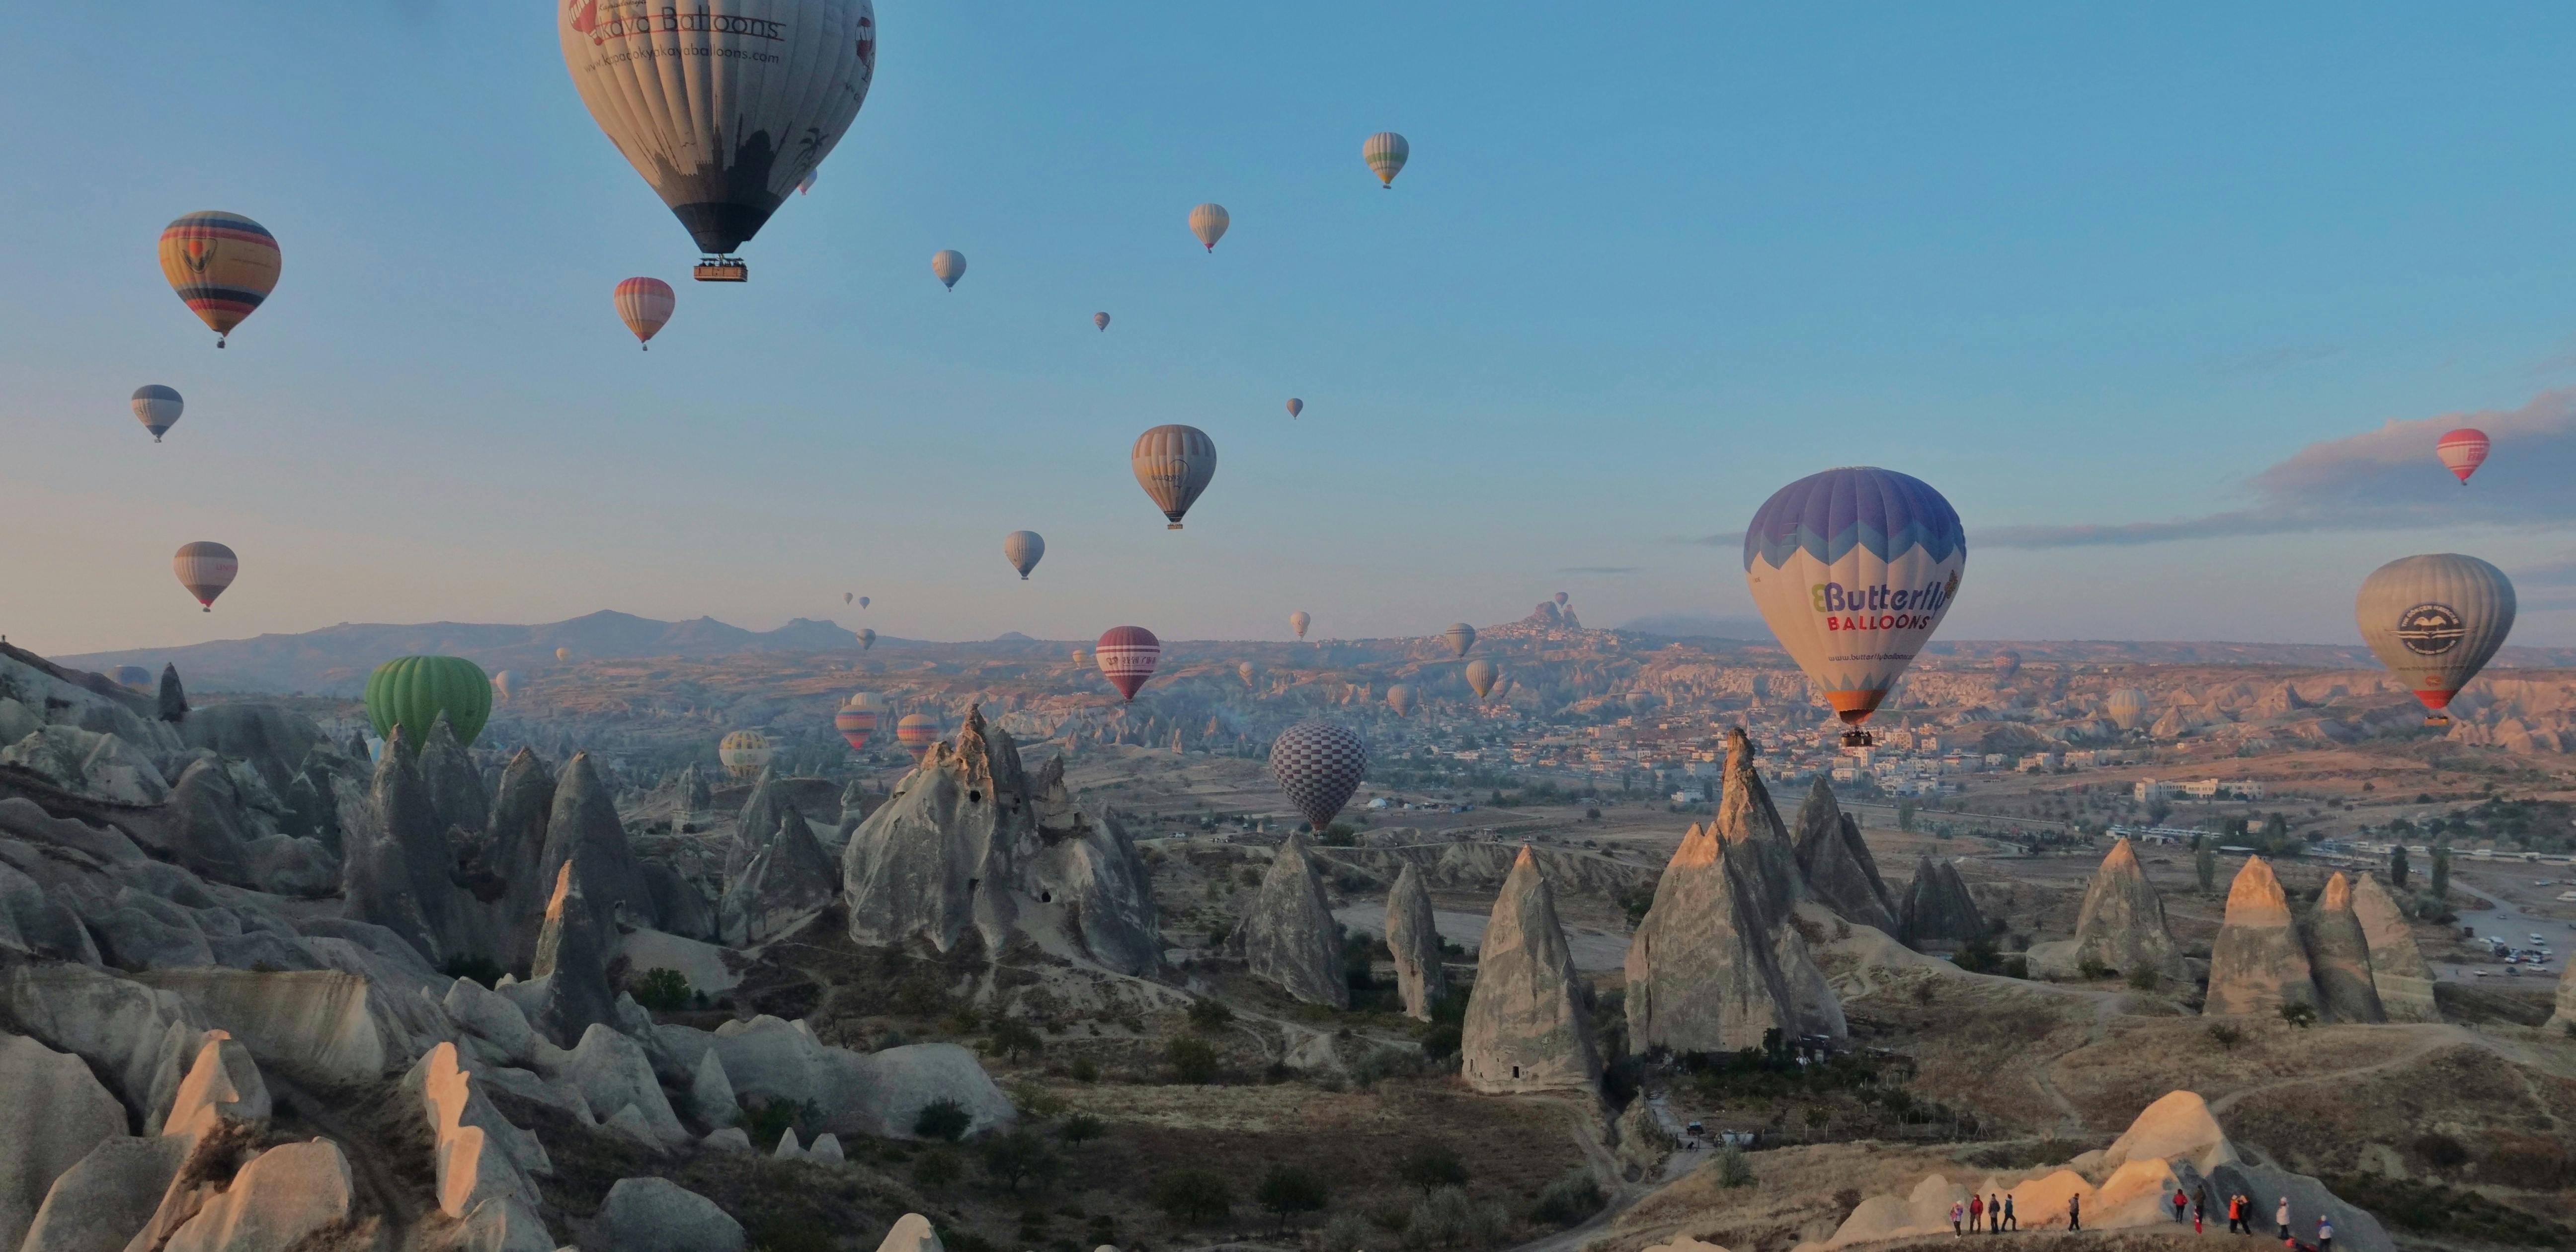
point(1797, 1194)
point(1979, 1044)
point(2142, 1058)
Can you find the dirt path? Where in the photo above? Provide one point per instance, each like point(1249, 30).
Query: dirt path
point(2071, 1125)
point(2430, 1038)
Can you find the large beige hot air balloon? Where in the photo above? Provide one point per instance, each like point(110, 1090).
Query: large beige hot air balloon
point(1460, 637)
point(1208, 222)
point(1482, 676)
point(2435, 620)
point(1298, 621)
point(1400, 698)
point(1023, 548)
point(2128, 708)
point(722, 107)
point(205, 569)
point(948, 266)
point(1173, 464)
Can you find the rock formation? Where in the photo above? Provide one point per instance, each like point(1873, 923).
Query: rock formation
point(1747, 819)
point(1528, 1024)
point(455, 787)
point(57, 1113)
point(1288, 935)
point(2397, 968)
point(2257, 963)
point(970, 842)
point(753, 826)
point(785, 883)
point(2339, 956)
point(1414, 939)
point(398, 857)
point(583, 829)
point(510, 858)
point(571, 963)
point(1837, 865)
point(2122, 923)
point(1937, 907)
point(2563, 1016)
point(1703, 969)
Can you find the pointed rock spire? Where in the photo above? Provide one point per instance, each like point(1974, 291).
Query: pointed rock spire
point(1414, 938)
point(454, 786)
point(174, 698)
point(1837, 865)
point(2257, 963)
point(2397, 968)
point(583, 829)
point(761, 813)
point(1528, 1024)
point(1937, 906)
point(514, 850)
point(1703, 975)
point(1746, 818)
point(2122, 923)
point(787, 881)
point(2339, 954)
point(397, 857)
point(1288, 935)
point(572, 961)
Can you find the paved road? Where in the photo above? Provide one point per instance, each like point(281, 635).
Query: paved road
point(2522, 908)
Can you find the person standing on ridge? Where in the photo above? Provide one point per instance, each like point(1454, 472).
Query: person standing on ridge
point(2010, 1218)
point(2325, 1233)
point(2282, 1219)
point(1976, 1209)
point(1958, 1212)
point(2075, 1211)
point(1994, 1213)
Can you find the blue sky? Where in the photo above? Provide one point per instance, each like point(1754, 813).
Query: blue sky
point(1649, 262)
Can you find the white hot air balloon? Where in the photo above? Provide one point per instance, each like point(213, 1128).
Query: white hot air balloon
point(723, 108)
point(948, 265)
point(2435, 621)
point(1208, 222)
point(1023, 548)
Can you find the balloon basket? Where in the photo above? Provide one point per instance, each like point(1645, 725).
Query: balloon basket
point(1857, 739)
point(721, 269)
point(2437, 719)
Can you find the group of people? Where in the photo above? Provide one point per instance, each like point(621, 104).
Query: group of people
point(1994, 1213)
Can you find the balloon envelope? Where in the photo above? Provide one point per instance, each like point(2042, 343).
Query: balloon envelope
point(1208, 222)
point(563, 654)
point(413, 692)
point(725, 114)
point(1023, 549)
point(1298, 621)
point(2435, 621)
point(1127, 655)
point(806, 184)
point(1243, 670)
point(1173, 464)
point(1561, 598)
point(1318, 766)
point(1385, 153)
point(503, 682)
point(1295, 407)
point(1461, 637)
point(222, 265)
point(205, 568)
point(1482, 675)
point(1400, 698)
point(949, 265)
point(2462, 451)
point(867, 639)
point(157, 407)
point(1853, 570)
point(863, 602)
point(2005, 664)
point(2128, 708)
point(134, 676)
point(916, 732)
point(745, 753)
point(644, 304)
point(855, 724)
point(1100, 320)
point(845, 597)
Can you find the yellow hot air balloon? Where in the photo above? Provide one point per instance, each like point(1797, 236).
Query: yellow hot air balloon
point(745, 753)
point(1173, 464)
point(222, 264)
point(2435, 620)
point(1208, 222)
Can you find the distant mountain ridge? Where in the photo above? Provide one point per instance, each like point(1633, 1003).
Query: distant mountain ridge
point(335, 660)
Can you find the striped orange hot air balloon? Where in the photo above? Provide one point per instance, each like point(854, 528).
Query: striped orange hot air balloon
point(222, 264)
point(856, 723)
point(205, 569)
point(644, 304)
point(916, 732)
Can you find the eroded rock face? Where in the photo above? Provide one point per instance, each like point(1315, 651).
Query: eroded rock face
point(398, 857)
point(1747, 819)
point(754, 826)
point(1937, 907)
point(2122, 923)
point(2257, 963)
point(56, 1114)
point(1528, 1025)
point(584, 830)
point(1288, 935)
point(572, 962)
point(2397, 969)
point(2339, 957)
point(455, 787)
point(1838, 867)
point(284, 1194)
point(1414, 938)
point(658, 1215)
point(510, 860)
point(785, 883)
point(1702, 971)
point(2564, 1015)
point(970, 842)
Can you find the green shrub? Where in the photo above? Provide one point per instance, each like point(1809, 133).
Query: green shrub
point(1192, 1196)
point(2299, 1015)
point(1431, 1166)
point(1287, 1190)
point(1083, 1069)
point(1732, 1169)
point(935, 1169)
point(1018, 1156)
point(1081, 1128)
point(1440, 1042)
point(1193, 1060)
point(2144, 980)
point(2094, 970)
point(1569, 1200)
point(943, 1119)
point(1208, 1016)
point(662, 990)
point(2225, 1036)
point(1013, 1039)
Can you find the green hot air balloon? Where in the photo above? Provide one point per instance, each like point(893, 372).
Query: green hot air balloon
point(411, 691)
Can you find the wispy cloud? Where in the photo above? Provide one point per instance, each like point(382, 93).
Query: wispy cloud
point(1599, 569)
point(2384, 479)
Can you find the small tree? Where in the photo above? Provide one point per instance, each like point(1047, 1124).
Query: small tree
point(1905, 815)
point(2225, 1036)
point(1209, 1016)
point(937, 1168)
point(1192, 1196)
point(1013, 1038)
point(1017, 1157)
point(2397, 867)
point(1193, 1060)
point(2299, 1015)
point(662, 990)
point(943, 1119)
point(1287, 1190)
point(1081, 1128)
point(2204, 864)
point(1732, 1169)
point(1431, 1166)
point(2442, 872)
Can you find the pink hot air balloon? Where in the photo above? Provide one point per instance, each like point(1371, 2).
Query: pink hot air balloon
point(1128, 654)
point(205, 568)
point(2463, 451)
point(644, 304)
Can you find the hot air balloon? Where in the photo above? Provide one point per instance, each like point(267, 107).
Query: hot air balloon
point(1243, 670)
point(1385, 152)
point(1561, 598)
point(1400, 698)
point(222, 264)
point(916, 732)
point(2005, 664)
point(1023, 549)
point(1128, 654)
point(867, 639)
point(2462, 451)
point(1853, 570)
point(157, 407)
point(949, 265)
point(134, 676)
point(856, 723)
point(1295, 407)
point(2435, 620)
point(414, 691)
point(1173, 464)
point(846, 597)
point(644, 304)
point(563, 654)
point(205, 569)
point(1100, 320)
point(1461, 637)
point(1298, 621)
point(725, 113)
point(503, 682)
point(745, 753)
point(1318, 765)
point(863, 602)
point(1081, 657)
point(1482, 676)
point(805, 185)
point(1208, 222)
point(2128, 708)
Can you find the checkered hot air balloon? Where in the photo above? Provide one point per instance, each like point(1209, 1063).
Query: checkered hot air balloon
point(1127, 655)
point(222, 265)
point(1318, 765)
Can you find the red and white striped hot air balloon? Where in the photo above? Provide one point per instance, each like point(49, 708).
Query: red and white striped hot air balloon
point(1127, 655)
point(2462, 451)
point(644, 304)
point(205, 569)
